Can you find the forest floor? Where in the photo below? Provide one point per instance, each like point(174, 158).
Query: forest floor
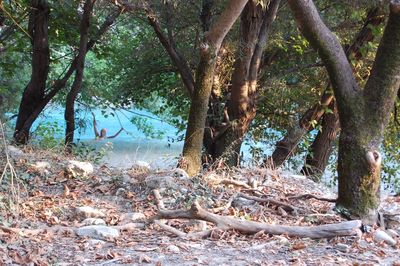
point(41, 223)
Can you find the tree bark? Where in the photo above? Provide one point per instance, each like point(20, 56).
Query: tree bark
point(286, 147)
point(255, 28)
point(321, 148)
point(34, 91)
point(363, 113)
point(60, 84)
point(69, 114)
point(191, 155)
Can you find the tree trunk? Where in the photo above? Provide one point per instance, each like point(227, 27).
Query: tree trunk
point(363, 114)
point(286, 147)
point(255, 26)
point(34, 91)
point(80, 65)
point(320, 150)
point(191, 155)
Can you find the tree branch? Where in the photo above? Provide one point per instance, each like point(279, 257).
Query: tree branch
point(331, 52)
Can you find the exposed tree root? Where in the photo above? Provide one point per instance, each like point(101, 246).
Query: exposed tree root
point(285, 206)
point(311, 196)
point(347, 228)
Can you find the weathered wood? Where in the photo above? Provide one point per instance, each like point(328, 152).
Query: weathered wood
point(348, 228)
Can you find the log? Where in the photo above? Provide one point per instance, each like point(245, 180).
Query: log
point(348, 228)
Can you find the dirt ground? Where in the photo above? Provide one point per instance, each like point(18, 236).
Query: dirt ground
point(41, 227)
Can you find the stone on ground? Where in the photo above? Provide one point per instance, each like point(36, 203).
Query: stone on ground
point(100, 232)
point(78, 169)
point(380, 236)
point(88, 212)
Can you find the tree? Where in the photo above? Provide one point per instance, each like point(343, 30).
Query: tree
point(286, 147)
point(191, 155)
point(256, 22)
point(363, 113)
point(35, 90)
point(31, 107)
point(80, 66)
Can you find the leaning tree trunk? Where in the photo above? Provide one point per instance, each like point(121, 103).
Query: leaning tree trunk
point(191, 155)
point(80, 65)
point(364, 113)
point(320, 150)
point(34, 91)
point(286, 147)
point(255, 25)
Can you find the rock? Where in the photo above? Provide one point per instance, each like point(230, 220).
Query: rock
point(380, 236)
point(101, 232)
point(180, 173)
point(241, 203)
point(14, 152)
point(281, 240)
point(282, 212)
point(95, 242)
point(93, 221)
point(157, 182)
point(342, 247)
point(88, 212)
point(131, 217)
point(42, 165)
point(392, 233)
point(363, 244)
point(120, 192)
point(141, 166)
point(173, 249)
point(78, 169)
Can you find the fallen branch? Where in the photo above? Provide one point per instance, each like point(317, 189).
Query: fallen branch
point(311, 196)
point(285, 206)
point(348, 228)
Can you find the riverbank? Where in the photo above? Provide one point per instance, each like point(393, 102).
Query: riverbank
point(50, 226)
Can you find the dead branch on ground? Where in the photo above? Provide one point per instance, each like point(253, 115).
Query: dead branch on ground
point(311, 196)
point(348, 228)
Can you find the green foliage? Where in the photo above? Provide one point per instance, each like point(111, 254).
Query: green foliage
point(47, 135)
point(87, 152)
point(148, 129)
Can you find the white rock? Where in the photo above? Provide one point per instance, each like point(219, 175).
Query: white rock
point(14, 151)
point(97, 232)
point(42, 165)
point(141, 165)
point(88, 212)
point(180, 173)
point(173, 249)
point(93, 221)
point(76, 168)
point(131, 217)
point(380, 236)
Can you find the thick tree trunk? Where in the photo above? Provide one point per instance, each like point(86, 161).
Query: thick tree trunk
point(34, 91)
point(363, 114)
point(191, 155)
point(255, 26)
point(286, 147)
point(320, 150)
point(77, 84)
